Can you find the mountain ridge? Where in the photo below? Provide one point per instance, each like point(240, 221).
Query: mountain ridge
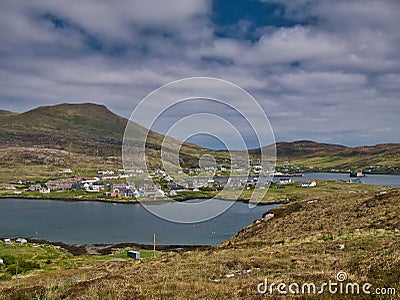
point(92, 129)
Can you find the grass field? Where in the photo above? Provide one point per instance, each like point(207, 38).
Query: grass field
point(292, 192)
point(41, 258)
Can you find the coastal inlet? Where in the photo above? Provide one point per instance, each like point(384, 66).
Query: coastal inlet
point(90, 222)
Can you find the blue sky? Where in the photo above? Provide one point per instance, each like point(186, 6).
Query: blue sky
point(322, 70)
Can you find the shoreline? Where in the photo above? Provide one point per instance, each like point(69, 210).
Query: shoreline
point(108, 248)
point(135, 201)
point(68, 199)
point(347, 173)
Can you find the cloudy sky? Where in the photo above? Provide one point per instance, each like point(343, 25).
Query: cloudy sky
point(327, 71)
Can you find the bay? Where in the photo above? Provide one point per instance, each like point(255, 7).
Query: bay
point(90, 222)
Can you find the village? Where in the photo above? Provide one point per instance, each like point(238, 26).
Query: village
point(136, 184)
point(133, 184)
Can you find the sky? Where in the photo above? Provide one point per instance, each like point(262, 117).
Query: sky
point(327, 71)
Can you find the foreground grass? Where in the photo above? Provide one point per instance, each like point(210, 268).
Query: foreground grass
point(45, 258)
point(305, 241)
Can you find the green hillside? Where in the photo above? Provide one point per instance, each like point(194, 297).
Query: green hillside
point(72, 127)
point(86, 129)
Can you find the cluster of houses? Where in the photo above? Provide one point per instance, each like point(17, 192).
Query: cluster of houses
point(91, 184)
point(382, 169)
point(103, 183)
point(18, 241)
point(352, 180)
point(193, 185)
point(212, 169)
point(129, 190)
point(286, 180)
point(112, 184)
point(254, 167)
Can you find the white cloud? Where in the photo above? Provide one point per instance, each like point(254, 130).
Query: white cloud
point(319, 82)
point(346, 61)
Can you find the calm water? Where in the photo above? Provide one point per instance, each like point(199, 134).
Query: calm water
point(96, 222)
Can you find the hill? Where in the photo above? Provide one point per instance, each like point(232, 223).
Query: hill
point(309, 155)
point(308, 149)
point(71, 127)
point(88, 129)
point(6, 113)
point(305, 149)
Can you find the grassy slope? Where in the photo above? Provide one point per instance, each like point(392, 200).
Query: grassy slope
point(6, 113)
point(298, 245)
point(85, 128)
point(40, 164)
point(85, 120)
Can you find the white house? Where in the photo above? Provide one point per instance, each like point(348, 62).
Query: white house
point(34, 187)
point(136, 193)
point(160, 193)
point(44, 190)
point(21, 241)
point(90, 180)
point(106, 172)
point(285, 180)
point(308, 184)
point(6, 241)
